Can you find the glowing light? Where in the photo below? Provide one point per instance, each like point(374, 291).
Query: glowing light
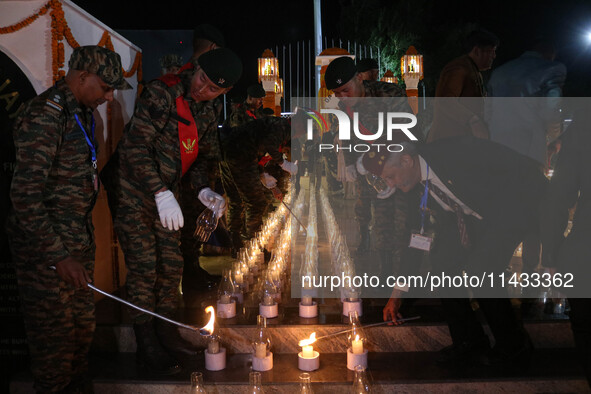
point(309, 341)
point(209, 326)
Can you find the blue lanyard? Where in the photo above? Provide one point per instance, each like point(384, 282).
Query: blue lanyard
point(88, 141)
point(424, 199)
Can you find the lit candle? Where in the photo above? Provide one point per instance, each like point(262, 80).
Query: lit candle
point(307, 300)
point(307, 351)
point(213, 347)
point(225, 299)
point(260, 350)
point(239, 278)
point(357, 345)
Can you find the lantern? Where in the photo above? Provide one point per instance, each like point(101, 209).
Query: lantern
point(411, 66)
point(268, 70)
point(389, 77)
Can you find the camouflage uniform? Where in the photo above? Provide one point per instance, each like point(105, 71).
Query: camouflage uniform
point(53, 195)
point(390, 214)
point(192, 207)
point(242, 114)
point(241, 171)
point(148, 159)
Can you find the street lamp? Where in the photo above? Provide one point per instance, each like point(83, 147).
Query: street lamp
point(411, 66)
point(389, 77)
point(269, 76)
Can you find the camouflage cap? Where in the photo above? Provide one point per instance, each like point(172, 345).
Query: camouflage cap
point(171, 60)
point(222, 66)
point(339, 72)
point(366, 65)
point(210, 33)
point(268, 112)
point(102, 62)
point(256, 91)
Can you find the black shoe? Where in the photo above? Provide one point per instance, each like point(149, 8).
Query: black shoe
point(175, 345)
point(150, 353)
point(514, 358)
point(467, 352)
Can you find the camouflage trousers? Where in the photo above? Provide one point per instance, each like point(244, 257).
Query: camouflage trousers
point(191, 208)
point(59, 320)
point(247, 202)
point(152, 257)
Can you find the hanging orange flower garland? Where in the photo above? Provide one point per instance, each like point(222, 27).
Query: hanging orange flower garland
point(61, 30)
point(25, 22)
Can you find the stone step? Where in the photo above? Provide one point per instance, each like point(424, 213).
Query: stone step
point(551, 370)
point(407, 338)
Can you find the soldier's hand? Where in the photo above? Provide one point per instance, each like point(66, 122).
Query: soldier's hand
point(351, 173)
point(72, 272)
point(169, 210)
point(268, 181)
point(213, 201)
point(391, 310)
point(290, 167)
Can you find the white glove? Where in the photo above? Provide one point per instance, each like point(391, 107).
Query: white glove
point(290, 167)
point(268, 180)
point(386, 193)
point(213, 201)
point(359, 165)
point(170, 213)
point(350, 173)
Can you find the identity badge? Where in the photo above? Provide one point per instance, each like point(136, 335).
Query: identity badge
point(420, 241)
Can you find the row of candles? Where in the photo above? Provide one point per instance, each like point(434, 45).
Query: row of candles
point(250, 276)
point(236, 282)
point(341, 261)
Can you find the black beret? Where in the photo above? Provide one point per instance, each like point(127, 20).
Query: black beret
point(268, 112)
point(366, 65)
point(256, 91)
point(210, 33)
point(222, 66)
point(339, 72)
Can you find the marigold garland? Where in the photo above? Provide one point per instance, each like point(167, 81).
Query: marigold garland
point(61, 30)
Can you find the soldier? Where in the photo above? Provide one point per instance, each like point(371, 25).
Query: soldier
point(242, 175)
point(250, 109)
point(205, 38)
point(53, 192)
point(168, 137)
point(170, 64)
point(343, 79)
point(368, 69)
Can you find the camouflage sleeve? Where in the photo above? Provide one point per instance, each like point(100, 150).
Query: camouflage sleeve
point(279, 133)
point(209, 155)
point(149, 118)
point(236, 118)
point(37, 136)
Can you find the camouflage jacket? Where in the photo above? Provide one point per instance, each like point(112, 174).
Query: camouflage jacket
point(52, 189)
point(368, 110)
point(242, 114)
point(148, 155)
point(251, 141)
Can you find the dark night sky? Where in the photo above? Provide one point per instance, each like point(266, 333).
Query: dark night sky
point(250, 27)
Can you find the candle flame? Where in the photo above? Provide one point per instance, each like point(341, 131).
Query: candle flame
point(309, 341)
point(209, 326)
point(357, 337)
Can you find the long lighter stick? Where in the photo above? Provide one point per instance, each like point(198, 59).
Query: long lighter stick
point(144, 310)
point(292, 214)
point(371, 325)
